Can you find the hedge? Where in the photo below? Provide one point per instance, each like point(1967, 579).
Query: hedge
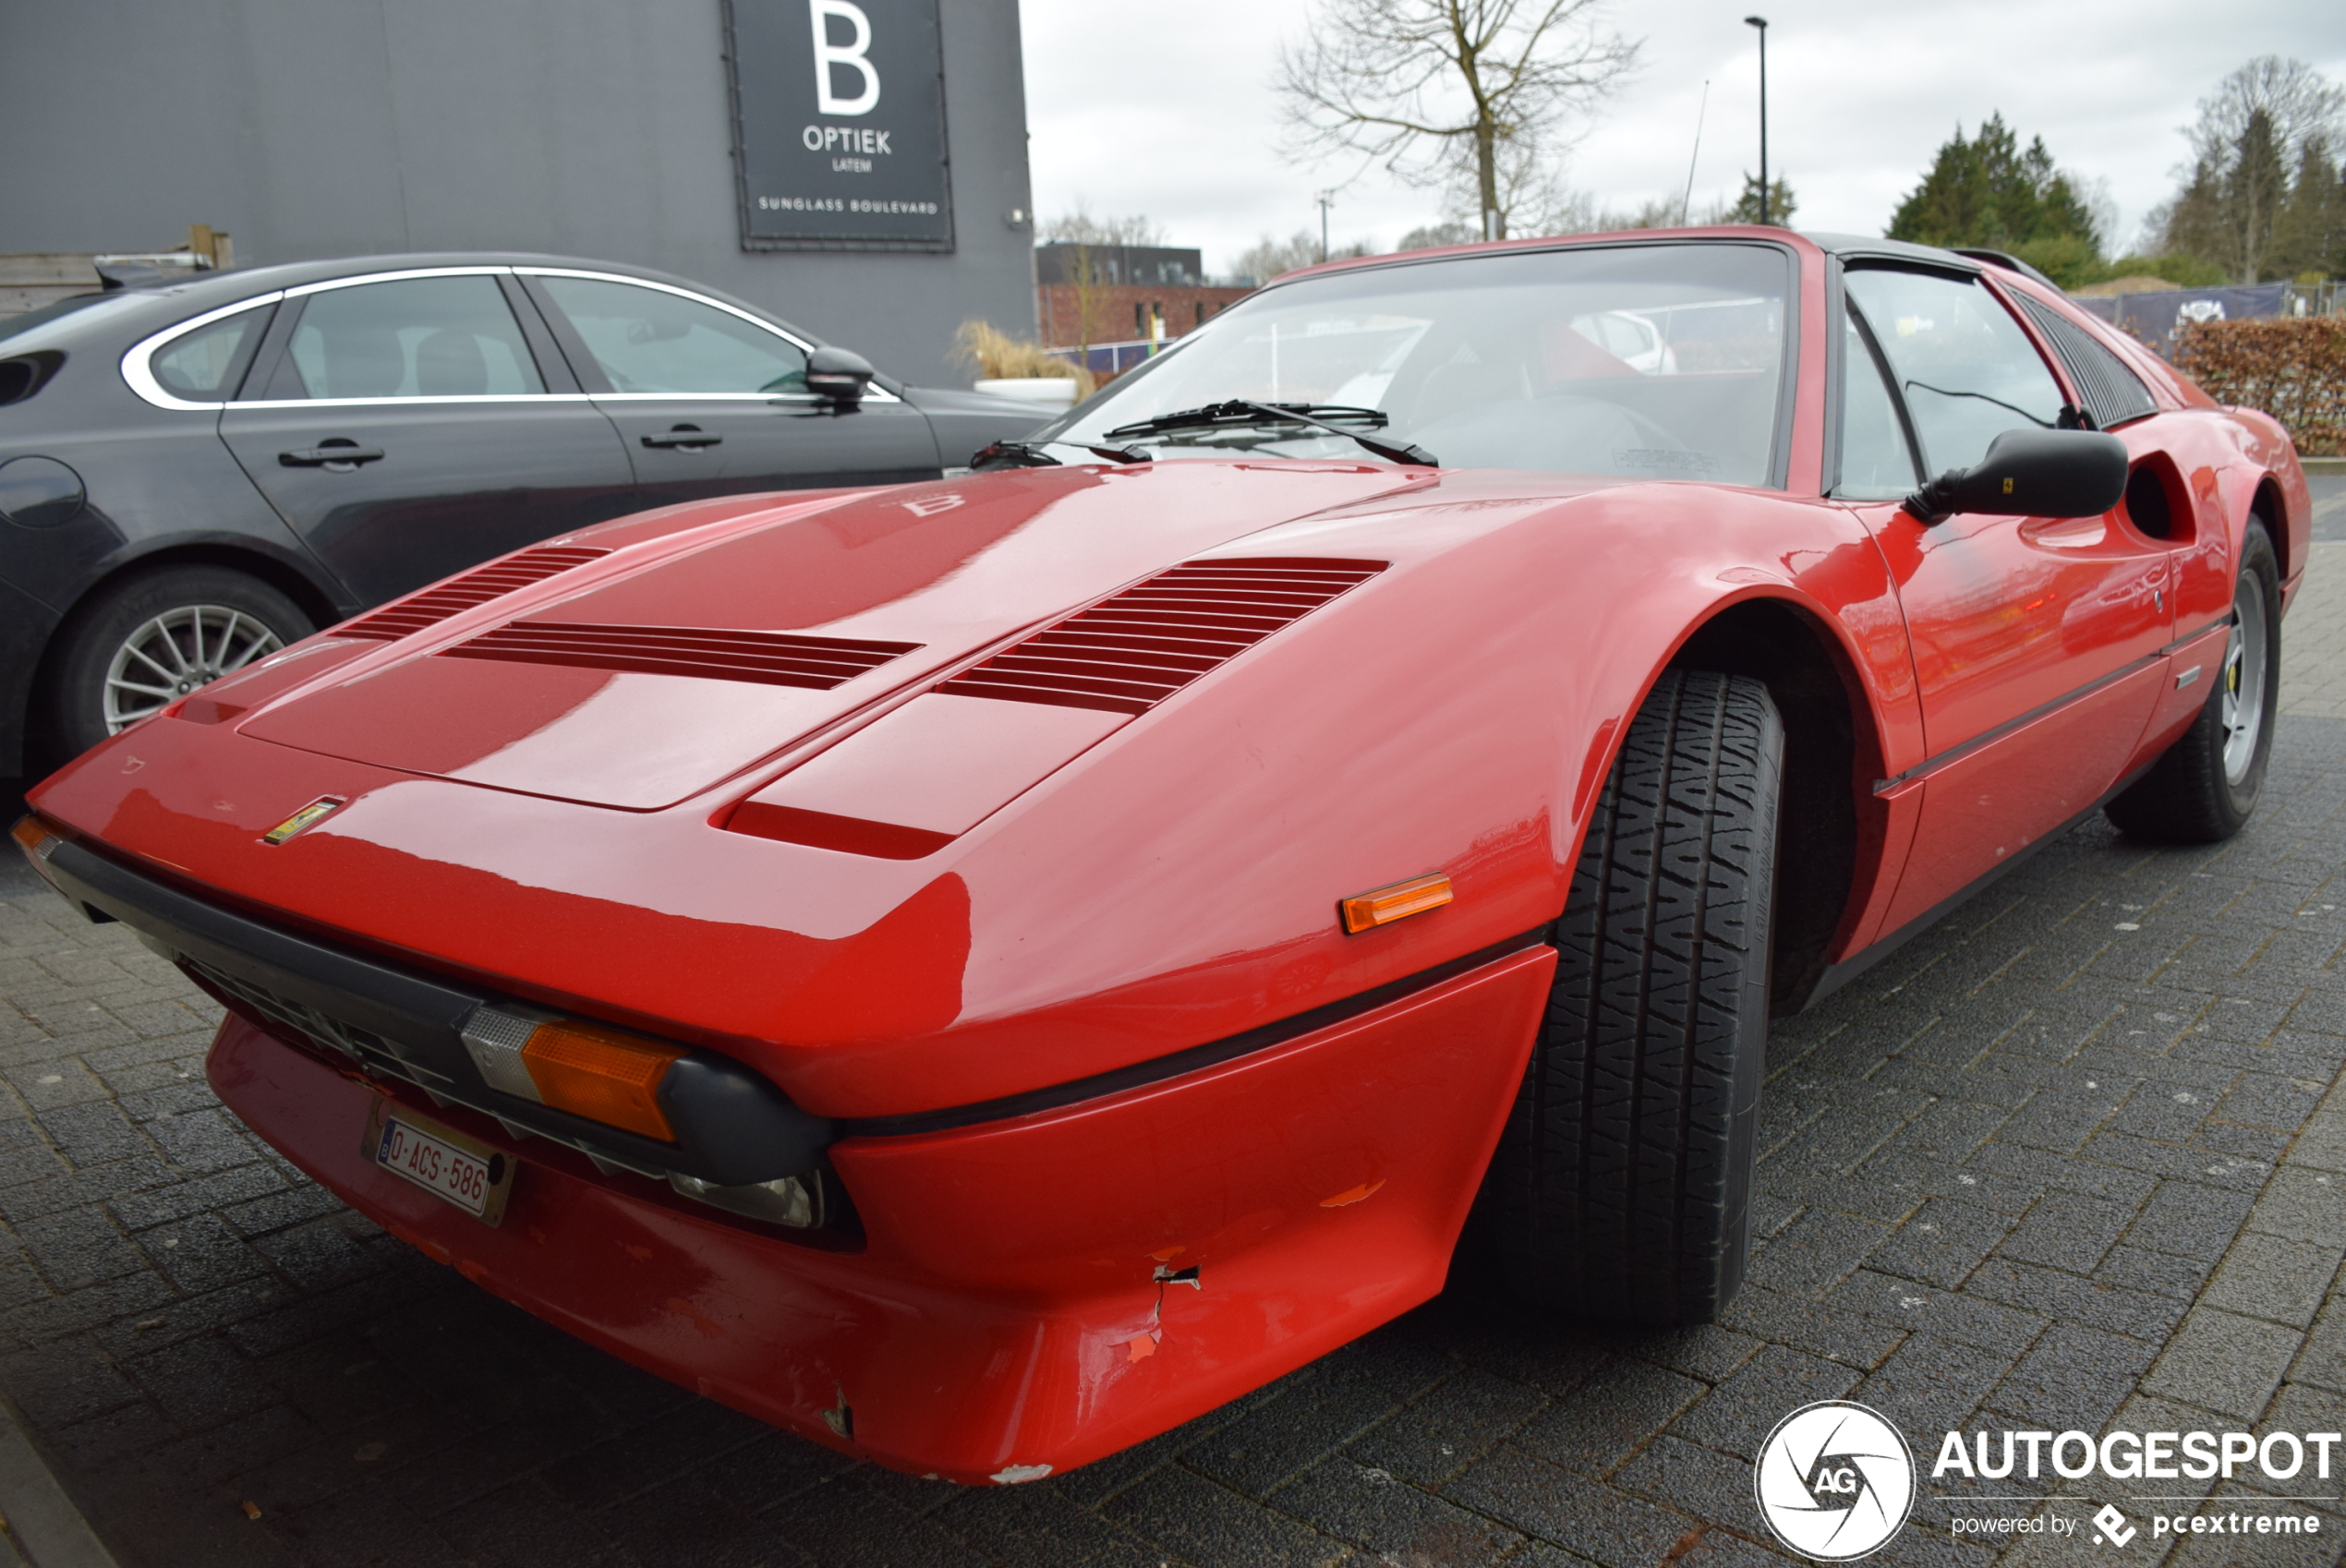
point(2292, 366)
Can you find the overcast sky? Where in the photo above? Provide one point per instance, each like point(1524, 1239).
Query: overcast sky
point(1164, 107)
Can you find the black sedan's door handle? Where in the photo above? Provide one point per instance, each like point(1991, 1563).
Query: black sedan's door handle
point(685, 436)
point(327, 456)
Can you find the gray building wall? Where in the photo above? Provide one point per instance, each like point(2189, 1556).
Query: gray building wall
point(599, 128)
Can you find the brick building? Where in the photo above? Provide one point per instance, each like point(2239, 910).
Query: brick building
point(1098, 294)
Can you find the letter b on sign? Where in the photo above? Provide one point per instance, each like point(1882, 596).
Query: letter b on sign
point(832, 58)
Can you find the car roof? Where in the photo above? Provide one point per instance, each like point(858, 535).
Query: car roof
point(1847, 246)
point(179, 300)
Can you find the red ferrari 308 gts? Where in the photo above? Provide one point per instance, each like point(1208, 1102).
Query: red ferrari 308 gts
point(979, 973)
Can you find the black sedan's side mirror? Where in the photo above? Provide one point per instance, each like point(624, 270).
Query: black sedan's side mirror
point(837, 375)
point(2031, 474)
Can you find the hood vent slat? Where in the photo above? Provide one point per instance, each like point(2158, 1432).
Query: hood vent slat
point(466, 591)
point(769, 658)
point(1129, 652)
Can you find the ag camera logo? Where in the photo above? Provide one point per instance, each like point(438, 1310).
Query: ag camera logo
point(1834, 1480)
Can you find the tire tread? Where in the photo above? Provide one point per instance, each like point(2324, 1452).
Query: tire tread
point(1616, 1193)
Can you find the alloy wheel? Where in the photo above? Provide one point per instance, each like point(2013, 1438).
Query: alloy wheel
point(2242, 713)
point(177, 652)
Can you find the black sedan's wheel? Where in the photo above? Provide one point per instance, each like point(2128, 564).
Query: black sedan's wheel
point(1621, 1188)
point(151, 639)
point(2202, 788)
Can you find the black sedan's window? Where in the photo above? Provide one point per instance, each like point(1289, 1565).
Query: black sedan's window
point(205, 365)
point(650, 341)
point(412, 337)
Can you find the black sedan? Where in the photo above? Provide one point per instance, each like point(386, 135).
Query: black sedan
point(194, 473)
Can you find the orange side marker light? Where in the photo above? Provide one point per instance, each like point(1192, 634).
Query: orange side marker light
point(601, 1074)
point(1383, 906)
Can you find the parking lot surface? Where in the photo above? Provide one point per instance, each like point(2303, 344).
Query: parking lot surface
point(2076, 1159)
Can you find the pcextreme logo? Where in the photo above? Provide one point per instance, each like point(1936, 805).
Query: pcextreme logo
point(1834, 1480)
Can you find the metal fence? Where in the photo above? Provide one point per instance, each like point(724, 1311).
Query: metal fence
point(2156, 315)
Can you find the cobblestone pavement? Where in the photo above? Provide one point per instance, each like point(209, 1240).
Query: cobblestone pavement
point(2073, 1160)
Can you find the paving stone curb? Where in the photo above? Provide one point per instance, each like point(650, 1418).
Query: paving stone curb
point(43, 1528)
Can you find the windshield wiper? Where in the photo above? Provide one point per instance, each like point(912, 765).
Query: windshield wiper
point(1238, 413)
point(1029, 454)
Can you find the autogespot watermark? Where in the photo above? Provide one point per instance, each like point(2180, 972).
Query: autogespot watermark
point(1836, 1481)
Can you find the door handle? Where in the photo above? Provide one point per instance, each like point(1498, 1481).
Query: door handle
point(326, 456)
point(685, 436)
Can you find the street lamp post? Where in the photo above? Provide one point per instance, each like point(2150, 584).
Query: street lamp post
point(1761, 23)
point(1326, 199)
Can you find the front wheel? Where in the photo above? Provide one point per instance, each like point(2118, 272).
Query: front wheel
point(141, 643)
point(2202, 788)
point(1621, 1188)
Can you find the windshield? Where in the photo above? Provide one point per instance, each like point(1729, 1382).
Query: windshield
point(1655, 362)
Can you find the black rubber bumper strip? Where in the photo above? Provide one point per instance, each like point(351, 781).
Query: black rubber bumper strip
point(1212, 1053)
point(734, 1126)
point(373, 995)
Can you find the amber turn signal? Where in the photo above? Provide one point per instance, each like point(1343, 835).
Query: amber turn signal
point(601, 1074)
point(31, 835)
point(1383, 906)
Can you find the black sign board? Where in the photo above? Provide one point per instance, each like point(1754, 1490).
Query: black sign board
point(839, 125)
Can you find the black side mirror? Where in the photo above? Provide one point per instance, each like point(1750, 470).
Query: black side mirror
point(838, 375)
point(2031, 474)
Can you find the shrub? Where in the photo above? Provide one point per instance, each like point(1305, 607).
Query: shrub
point(2068, 260)
point(2292, 366)
point(993, 353)
point(2183, 271)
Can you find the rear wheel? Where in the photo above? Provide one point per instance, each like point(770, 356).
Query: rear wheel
point(1621, 1188)
point(2202, 788)
point(148, 640)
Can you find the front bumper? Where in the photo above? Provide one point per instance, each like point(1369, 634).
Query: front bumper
point(1029, 1293)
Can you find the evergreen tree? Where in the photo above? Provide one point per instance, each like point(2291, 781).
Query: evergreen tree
point(1988, 192)
point(1781, 203)
point(2309, 236)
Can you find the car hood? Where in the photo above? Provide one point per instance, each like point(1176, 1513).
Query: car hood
point(647, 675)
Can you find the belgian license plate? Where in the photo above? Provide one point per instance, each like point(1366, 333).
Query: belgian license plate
point(441, 1160)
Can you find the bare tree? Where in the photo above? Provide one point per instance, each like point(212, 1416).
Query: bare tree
point(2252, 132)
point(1433, 88)
point(1526, 189)
point(1267, 258)
point(2296, 100)
point(1079, 227)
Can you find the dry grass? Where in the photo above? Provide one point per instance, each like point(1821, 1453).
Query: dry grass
point(992, 353)
point(2133, 283)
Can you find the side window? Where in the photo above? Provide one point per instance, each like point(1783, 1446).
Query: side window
point(1875, 462)
point(1968, 371)
point(647, 341)
point(412, 337)
point(206, 365)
